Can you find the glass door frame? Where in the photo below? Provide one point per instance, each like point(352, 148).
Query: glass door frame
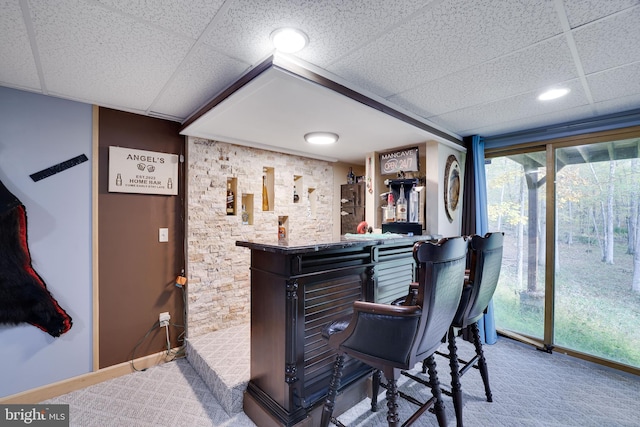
point(550, 146)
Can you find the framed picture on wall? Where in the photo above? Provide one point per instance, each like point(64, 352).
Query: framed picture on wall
point(452, 185)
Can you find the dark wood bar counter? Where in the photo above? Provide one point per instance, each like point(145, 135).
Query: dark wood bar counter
point(296, 289)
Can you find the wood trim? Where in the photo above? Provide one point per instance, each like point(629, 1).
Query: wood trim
point(59, 388)
point(550, 242)
point(584, 139)
point(300, 71)
point(307, 74)
point(242, 81)
point(94, 236)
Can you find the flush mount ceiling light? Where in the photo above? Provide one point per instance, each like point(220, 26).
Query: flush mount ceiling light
point(553, 94)
point(321, 138)
point(289, 40)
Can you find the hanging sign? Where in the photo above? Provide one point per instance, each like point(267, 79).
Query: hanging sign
point(405, 160)
point(139, 171)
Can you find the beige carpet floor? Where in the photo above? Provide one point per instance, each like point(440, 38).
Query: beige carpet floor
point(530, 388)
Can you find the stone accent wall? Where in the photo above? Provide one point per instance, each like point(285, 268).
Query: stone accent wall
point(218, 271)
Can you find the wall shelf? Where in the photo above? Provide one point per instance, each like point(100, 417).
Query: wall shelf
point(247, 203)
point(297, 188)
point(312, 200)
point(267, 188)
point(232, 199)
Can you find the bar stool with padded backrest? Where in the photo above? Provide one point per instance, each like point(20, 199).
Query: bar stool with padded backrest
point(485, 263)
point(391, 338)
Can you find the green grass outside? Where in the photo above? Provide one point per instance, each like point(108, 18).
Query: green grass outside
point(596, 312)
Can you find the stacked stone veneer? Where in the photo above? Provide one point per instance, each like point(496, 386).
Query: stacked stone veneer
point(218, 271)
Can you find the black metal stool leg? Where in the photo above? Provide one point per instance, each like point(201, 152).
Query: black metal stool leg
point(327, 410)
point(456, 388)
point(482, 363)
point(375, 389)
point(438, 406)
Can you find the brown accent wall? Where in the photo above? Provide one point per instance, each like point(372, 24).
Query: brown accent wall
point(136, 272)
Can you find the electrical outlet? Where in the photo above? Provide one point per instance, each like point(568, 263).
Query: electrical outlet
point(164, 318)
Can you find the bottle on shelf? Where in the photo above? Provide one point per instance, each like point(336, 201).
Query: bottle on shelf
point(230, 210)
point(414, 205)
point(245, 215)
point(351, 178)
point(265, 195)
point(296, 198)
point(390, 209)
point(401, 206)
point(282, 232)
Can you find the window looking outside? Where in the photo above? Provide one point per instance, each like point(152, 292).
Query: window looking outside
point(588, 301)
point(516, 202)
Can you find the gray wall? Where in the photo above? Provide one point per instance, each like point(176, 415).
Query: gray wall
point(37, 132)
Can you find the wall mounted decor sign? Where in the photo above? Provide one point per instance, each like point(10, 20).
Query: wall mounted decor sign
point(145, 172)
point(405, 160)
point(452, 182)
point(24, 297)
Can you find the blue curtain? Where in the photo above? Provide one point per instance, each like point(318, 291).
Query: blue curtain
point(475, 219)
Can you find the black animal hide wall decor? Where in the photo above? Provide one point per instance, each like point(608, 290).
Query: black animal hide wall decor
point(24, 297)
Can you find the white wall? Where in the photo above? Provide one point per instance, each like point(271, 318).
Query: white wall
point(437, 221)
point(37, 132)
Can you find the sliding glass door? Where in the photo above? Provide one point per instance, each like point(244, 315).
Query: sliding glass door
point(516, 197)
point(570, 212)
point(597, 298)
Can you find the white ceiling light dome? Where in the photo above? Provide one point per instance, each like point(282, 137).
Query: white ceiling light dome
point(554, 93)
point(289, 40)
point(321, 138)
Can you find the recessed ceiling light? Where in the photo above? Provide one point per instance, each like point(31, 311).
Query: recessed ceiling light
point(553, 94)
point(289, 40)
point(321, 138)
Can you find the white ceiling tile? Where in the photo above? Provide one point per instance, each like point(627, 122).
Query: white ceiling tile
point(334, 27)
point(509, 109)
point(20, 71)
point(189, 19)
point(206, 69)
point(610, 42)
point(543, 64)
point(557, 117)
point(615, 83)
point(470, 65)
point(86, 49)
point(580, 12)
point(446, 38)
point(631, 102)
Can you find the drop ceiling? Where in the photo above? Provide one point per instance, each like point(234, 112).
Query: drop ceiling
point(458, 67)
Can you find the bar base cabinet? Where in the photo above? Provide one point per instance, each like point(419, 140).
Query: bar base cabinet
point(295, 292)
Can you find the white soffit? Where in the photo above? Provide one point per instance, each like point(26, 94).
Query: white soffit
point(275, 109)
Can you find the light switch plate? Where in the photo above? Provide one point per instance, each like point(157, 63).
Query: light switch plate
point(163, 235)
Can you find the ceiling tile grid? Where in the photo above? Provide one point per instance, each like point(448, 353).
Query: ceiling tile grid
point(610, 42)
point(467, 66)
point(580, 12)
point(334, 27)
point(202, 75)
point(615, 83)
point(189, 19)
point(120, 62)
point(510, 109)
point(534, 68)
point(627, 103)
point(556, 117)
point(450, 36)
point(20, 70)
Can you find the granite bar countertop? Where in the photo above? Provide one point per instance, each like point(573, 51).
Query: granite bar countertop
point(298, 246)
